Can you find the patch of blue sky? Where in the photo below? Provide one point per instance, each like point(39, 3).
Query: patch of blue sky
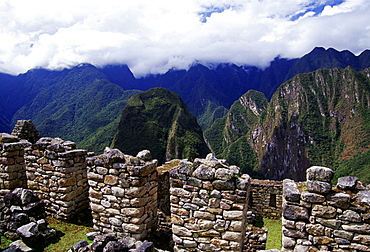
point(209, 10)
point(316, 7)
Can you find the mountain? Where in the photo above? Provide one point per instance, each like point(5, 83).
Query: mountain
point(77, 104)
point(318, 118)
point(158, 120)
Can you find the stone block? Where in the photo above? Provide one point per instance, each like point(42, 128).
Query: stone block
point(293, 212)
point(320, 240)
point(181, 231)
point(318, 187)
point(364, 197)
point(363, 239)
point(204, 215)
point(324, 211)
point(350, 215)
point(332, 223)
point(288, 242)
point(341, 200)
point(358, 228)
point(223, 185)
point(290, 191)
point(224, 174)
point(315, 229)
point(294, 233)
point(233, 215)
point(204, 172)
point(312, 197)
point(319, 173)
point(347, 183)
point(232, 236)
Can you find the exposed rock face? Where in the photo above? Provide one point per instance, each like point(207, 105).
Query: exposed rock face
point(158, 120)
point(316, 118)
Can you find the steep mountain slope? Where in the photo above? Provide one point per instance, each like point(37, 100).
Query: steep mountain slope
point(227, 134)
point(158, 120)
point(318, 118)
point(79, 105)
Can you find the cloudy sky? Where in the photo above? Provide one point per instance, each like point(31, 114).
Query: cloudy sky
point(152, 36)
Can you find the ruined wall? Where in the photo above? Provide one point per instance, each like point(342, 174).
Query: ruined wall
point(317, 216)
point(123, 193)
point(266, 198)
point(12, 165)
point(208, 205)
point(56, 171)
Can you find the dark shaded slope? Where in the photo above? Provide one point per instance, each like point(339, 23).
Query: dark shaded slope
point(158, 120)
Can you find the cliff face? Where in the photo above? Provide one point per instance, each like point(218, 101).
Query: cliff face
point(158, 120)
point(318, 118)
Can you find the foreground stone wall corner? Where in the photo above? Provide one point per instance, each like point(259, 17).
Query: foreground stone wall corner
point(12, 163)
point(320, 217)
point(208, 205)
point(123, 193)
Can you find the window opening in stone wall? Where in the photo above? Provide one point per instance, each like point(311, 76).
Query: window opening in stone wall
point(272, 200)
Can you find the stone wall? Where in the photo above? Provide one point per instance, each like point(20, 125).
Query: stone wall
point(208, 205)
point(123, 193)
point(24, 129)
point(266, 198)
point(56, 171)
point(12, 164)
point(317, 216)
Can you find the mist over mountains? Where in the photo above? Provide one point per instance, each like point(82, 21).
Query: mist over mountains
point(84, 104)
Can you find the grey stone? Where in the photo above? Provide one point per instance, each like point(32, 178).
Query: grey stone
point(301, 248)
point(290, 191)
point(363, 239)
point(364, 197)
point(324, 211)
point(288, 242)
point(358, 228)
point(332, 223)
point(18, 246)
point(243, 183)
point(319, 173)
point(79, 245)
point(146, 246)
point(341, 200)
point(347, 183)
point(343, 234)
point(294, 233)
point(144, 155)
point(312, 197)
point(351, 216)
point(204, 172)
point(318, 187)
point(115, 246)
point(293, 212)
point(224, 174)
point(223, 185)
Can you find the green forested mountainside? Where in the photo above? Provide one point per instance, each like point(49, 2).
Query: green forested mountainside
point(317, 118)
point(81, 105)
point(227, 134)
point(158, 120)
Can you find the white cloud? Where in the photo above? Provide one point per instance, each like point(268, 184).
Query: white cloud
point(154, 36)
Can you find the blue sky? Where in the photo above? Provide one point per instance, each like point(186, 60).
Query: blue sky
point(154, 36)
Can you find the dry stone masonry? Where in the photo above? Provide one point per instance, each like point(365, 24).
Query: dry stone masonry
point(123, 192)
point(56, 170)
point(266, 198)
point(24, 129)
point(319, 217)
point(12, 164)
point(208, 205)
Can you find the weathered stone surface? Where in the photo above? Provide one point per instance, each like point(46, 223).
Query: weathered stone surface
point(351, 216)
point(233, 215)
point(181, 231)
point(288, 242)
point(319, 173)
point(320, 240)
point(341, 200)
point(144, 155)
point(312, 197)
point(290, 191)
point(343, 234)
point(223, 185)
point(324, 211)
point(318, 187)
point(224, 174)
point(293, 212)
point(315, 229)
point(204, 215)
point(332, 223)
point(363, 239)
point(232, 236)
point(364, 197)
point(294, 233)
point(204, 172)
point(347, 183)
point(358, 228)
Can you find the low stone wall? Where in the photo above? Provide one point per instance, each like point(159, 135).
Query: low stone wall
point(266, 198)
point(317, 216)
point(56, 171)
point(208, 205)
point(123, 193)
point(12, 164)
point(255, 238)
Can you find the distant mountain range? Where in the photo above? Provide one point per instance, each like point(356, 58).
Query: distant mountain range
point(84, 104)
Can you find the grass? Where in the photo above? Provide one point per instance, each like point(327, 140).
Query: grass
point(274, 234)
point(67, 235)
